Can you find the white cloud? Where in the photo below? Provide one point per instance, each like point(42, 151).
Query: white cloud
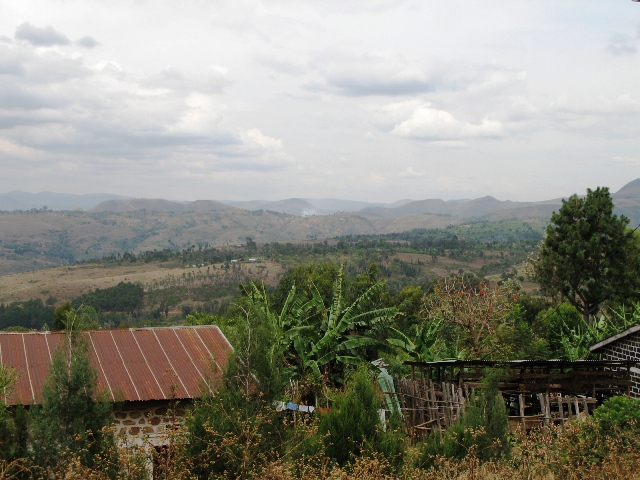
point(298, 98)
point(201, 117)
point(260, 152)
point(596, 105)
point(410, 172)
point(427, 123)
point(267, 143)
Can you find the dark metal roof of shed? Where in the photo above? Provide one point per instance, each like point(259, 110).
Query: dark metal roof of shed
point(134, 364)
point(523, 363)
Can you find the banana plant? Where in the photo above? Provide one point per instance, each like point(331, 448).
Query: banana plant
point(335, 338)
point(419, 348)
point(295, 309)
point(575, 342)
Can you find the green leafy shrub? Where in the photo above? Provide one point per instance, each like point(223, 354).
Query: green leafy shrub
point(353, 419)
point(618, 414)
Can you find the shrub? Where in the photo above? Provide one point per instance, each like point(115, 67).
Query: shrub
point(232, 434)
point(481, 430)
point(353, 419)
point(617, 415)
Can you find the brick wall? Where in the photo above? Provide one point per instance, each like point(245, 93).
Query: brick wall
point(626, 348)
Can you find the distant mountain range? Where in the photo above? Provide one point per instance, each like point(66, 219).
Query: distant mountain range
point(627, 201)
point(17, 200)
point(158, 205)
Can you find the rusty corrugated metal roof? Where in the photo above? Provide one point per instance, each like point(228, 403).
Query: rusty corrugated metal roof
point(133, 364)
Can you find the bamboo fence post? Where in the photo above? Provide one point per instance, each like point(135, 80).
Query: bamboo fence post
point(445, 411)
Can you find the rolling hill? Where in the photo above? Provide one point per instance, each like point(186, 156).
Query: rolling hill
point(39, 238)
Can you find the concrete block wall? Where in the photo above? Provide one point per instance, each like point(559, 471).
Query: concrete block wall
point(626, 348)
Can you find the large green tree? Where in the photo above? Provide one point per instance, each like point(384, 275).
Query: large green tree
point(588, 256)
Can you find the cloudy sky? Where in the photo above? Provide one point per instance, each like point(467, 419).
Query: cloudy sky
point(359, 99)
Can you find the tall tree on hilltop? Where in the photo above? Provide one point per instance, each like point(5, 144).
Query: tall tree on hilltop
point(588, 255)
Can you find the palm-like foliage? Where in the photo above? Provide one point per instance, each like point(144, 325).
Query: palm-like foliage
point(281, 324)
point(576, 341)
point(339, 333)
point(308, 338)
point(420, 347)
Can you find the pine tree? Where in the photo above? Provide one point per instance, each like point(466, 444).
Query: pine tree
point(72, 417)
point(588, 255)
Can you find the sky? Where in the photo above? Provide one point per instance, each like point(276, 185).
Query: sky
point(369, 100)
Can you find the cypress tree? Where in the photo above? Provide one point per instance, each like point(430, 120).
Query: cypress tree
point(71, 418)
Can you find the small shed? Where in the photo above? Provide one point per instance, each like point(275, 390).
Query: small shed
point(536, 392)
point(623, 346)
point(143, 369)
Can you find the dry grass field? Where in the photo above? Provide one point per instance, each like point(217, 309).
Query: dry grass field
point(69, 282)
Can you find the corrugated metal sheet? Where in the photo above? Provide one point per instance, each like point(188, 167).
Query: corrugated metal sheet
point(132, 364)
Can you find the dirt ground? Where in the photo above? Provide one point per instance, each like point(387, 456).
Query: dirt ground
point(64, 283)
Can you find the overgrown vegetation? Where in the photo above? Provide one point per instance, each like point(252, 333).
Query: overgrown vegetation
point(235, 434)
point(310, 339)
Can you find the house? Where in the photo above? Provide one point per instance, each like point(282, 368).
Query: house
point(623, 346)
point(145, 370)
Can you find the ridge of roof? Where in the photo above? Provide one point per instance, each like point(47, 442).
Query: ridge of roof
point(169, 327)
point(613, 338)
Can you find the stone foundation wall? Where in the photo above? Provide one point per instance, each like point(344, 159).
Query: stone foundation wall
point(148, 420)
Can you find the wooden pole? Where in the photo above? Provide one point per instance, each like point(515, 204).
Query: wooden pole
point(586, 408)
point(561, 409)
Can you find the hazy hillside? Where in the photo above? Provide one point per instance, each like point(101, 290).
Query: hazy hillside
point(17, 200)
point(35, 239)
point(630, 190)
point(31, 240)
point(627, 201)
point(478, 207)
point(309, 206)
point(158, 205)
point(295, 206)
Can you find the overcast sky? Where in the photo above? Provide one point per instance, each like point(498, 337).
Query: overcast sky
point(368, 100)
